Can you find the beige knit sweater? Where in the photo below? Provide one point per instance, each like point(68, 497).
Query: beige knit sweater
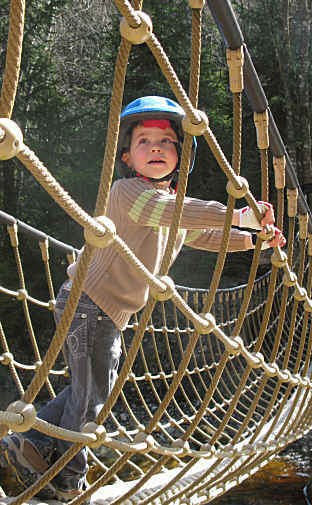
point(142, 216)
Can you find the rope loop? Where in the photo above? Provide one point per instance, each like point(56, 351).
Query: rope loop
point(279, 259)
point(300, 293)
point(196, 129)
point(238, 192)
point(289, 279)
point(284, 375)
point(272, 369)
point(237, 345)
point(28, 413)
point(141, 436)
point(7, 358)
point(161, 296)
point(11, 139)
point(267, 233)
point(257, 360)
point(209, 449)
point(96, 429)
point(205, 324)
point(52, 304)
point(140, 34)
point(308, 305)
point(100, 239)
point(22, 295)
point(182, 444)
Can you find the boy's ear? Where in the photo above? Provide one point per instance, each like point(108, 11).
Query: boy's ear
point(125, 158)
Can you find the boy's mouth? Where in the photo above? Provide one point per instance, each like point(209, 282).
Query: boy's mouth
point(156, 161)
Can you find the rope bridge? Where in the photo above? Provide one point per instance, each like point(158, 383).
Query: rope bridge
point(213, 382)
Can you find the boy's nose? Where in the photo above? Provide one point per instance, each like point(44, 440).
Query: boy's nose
point(156, 147)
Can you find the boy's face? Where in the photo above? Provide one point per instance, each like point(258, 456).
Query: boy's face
point(152, 151)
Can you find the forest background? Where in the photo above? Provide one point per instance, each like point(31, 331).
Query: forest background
point(62, 107)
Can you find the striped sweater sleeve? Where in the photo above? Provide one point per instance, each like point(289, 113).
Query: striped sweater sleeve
point(147, 206)
point(211, 240)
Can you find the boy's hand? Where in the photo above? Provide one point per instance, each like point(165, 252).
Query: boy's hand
point(247, 218)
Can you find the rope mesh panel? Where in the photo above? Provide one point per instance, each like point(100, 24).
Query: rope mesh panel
point(192, 412)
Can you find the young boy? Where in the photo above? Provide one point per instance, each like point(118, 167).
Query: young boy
point(141, 205)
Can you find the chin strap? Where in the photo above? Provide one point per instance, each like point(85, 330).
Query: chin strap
point(173, 184)
point(152, 179)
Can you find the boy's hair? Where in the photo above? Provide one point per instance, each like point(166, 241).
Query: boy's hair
point(148, 108)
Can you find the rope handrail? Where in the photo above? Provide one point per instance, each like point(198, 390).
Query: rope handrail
point(228, 26)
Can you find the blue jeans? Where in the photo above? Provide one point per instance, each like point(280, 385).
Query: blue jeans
point(92, 349)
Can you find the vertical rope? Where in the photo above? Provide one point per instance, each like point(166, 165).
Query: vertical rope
point(13, 58)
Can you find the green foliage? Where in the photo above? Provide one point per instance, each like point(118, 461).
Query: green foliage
point(62, 106)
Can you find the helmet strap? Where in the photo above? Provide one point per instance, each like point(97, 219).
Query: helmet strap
point(153, 179)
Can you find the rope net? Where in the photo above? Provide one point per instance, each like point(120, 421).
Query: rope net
point(213, 382)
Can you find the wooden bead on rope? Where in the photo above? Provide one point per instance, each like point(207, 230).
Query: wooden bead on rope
point(238, 192)
point(309, 244)
point(27, 411)
point(303, 226)
point(235, 61)
point(13, 233)
point(139, 34)
point(279, 165)
point(196, 129)
point(162, 296)
point(261, 120)
point(96, 429)
point(292, 198)
point(11, 139)
point(101, 240)
point(196, 4)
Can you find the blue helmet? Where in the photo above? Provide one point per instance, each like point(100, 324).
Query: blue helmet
point(151, 107)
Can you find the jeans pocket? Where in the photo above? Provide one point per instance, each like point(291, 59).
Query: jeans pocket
point(77, 336)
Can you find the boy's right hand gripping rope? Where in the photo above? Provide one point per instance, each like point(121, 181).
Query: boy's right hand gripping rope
point(247, 218)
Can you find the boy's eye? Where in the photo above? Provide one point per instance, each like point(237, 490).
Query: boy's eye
point(166, 141)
